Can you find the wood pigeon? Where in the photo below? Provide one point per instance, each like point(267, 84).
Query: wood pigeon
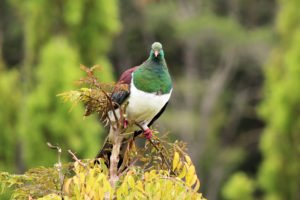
point(150, 88)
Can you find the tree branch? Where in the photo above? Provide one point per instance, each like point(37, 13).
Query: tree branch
point(114, 158)
point(58, 166)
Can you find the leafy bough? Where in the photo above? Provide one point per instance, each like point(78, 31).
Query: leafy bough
point(158, 170)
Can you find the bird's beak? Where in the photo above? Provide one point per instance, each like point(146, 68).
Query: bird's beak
point(156, 53)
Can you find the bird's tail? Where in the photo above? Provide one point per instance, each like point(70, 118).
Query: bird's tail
point(105, 151)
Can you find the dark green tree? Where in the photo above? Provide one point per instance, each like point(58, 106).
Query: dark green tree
point(46, 118)
point(9, 118)
point(57, 37)
point(280, 171)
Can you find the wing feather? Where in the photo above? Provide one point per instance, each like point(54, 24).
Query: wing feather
point(119, 96)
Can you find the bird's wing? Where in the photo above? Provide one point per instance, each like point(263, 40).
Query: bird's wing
point(119, 96)
point(158, 114)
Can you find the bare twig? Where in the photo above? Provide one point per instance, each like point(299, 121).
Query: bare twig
point(158, 150)
point(161, 154)
point(76, 159)
point(58, 166)
point(111, 104)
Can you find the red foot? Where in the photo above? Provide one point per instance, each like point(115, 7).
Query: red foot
point(125, 123)
point(148, 133)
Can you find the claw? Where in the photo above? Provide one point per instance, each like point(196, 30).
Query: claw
point(148, 133)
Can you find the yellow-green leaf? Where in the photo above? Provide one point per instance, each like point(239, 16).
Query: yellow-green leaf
point(176, 160)
point(188, 160)
point(182, 173)
point(197, 186)
point(131, 181)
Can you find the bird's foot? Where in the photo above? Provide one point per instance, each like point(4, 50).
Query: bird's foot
point(148, 133)
point(125, 123)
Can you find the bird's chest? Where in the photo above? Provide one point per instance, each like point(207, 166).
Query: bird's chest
point(143, 106)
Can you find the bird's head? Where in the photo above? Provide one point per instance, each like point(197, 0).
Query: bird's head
point(156, 51)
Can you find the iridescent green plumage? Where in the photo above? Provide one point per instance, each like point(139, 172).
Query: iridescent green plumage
point(153, 76)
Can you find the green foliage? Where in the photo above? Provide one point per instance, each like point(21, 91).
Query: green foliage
point(217, 123)
point(96, 97)
point(280, 171)
point(51, 118)
point(9, 104)
point(94, 31)
point(35, 182)
point(89, 24)
point(195, 34)
point(87, 180)
point(164, 169)
point(239, 186)
point(10, 101)
point(57, 37)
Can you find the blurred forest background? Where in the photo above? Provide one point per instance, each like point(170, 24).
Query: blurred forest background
point(236, 72)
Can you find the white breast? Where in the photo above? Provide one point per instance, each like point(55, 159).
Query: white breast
point(143, 106)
